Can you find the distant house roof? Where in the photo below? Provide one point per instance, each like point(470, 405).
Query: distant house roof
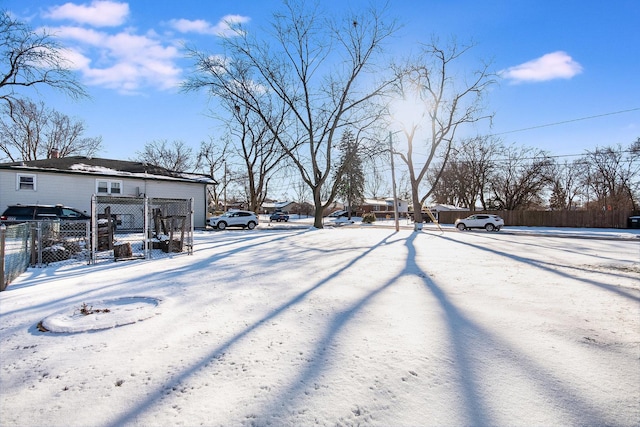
point(378, 202)
point(106, 167)
point(276, 205)
point(440, 207)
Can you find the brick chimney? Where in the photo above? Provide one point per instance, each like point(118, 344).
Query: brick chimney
point(55, 153)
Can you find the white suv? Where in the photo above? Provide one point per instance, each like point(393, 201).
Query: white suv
point(488, 222)
point(244, 219)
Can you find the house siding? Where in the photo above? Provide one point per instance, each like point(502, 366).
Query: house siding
point(76, 190)
point(181, 190)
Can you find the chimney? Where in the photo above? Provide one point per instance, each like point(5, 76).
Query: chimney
point(54, 153)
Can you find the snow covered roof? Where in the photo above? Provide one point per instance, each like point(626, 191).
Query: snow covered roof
point(106, 167)
point(378, 202)
point(275, 205)
point(444, 207)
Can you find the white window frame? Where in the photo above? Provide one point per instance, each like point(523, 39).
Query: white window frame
point(19, 176)
point(110, 186)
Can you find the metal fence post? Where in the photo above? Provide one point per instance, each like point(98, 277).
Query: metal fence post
point(94, 230)
point(191, 242)
point(146, 228)
point(3, 233)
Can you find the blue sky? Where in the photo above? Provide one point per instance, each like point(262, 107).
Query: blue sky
point(571, 69)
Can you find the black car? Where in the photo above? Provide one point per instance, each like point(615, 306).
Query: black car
point(279, 216)
point(15, 214)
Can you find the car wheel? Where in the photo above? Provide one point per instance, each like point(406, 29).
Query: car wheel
point(222, 225)
point(461, 227)
point(251, 225)
point(489, 227)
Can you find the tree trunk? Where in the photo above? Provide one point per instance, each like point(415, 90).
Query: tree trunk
point(417, 209)
point(318, 208)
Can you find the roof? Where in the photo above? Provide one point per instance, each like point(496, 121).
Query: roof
point(105, 167)
point(445, 207)
point(378, 202)
point(276, 205)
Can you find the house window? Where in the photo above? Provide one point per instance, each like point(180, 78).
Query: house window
point(26, 182)
point(107, 186)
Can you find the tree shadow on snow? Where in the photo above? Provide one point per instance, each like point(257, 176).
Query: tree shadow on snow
point(552, 268)
point(470, 346)
point(217, 353)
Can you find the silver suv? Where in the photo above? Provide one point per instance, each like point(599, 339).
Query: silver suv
point(244, 219)
point(486, 221)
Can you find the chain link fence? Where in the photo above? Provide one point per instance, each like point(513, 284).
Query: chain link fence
point(14, 252)
point(141, 227)
point(40, 243)
point(125, 228)
point(58, 241)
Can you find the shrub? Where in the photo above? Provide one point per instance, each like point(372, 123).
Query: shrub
point(368, 218)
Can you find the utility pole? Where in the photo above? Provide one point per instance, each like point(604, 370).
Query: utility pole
point(393, 183)
point(225, 184)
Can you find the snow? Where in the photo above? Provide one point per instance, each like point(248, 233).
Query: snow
point(286, 325)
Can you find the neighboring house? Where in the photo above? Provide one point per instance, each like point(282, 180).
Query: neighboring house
point(384, 206)
point(333, 207)
point(272, 206)
point(72, 181)
point(440, 207)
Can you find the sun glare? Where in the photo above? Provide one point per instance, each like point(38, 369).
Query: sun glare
point(408, 112)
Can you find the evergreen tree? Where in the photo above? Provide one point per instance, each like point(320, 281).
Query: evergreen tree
point(350, 172)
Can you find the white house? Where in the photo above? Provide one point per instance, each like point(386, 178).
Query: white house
point(72, 181)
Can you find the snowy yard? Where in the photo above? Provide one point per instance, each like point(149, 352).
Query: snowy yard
point(342, 326)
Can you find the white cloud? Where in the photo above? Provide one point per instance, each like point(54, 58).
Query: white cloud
point(556, 65)
point(123, 61)
point(98, 13)
point(224, 27)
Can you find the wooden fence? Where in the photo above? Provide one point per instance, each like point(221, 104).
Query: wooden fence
point(587, 219)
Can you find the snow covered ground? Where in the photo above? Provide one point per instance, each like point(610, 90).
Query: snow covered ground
point(290, 326)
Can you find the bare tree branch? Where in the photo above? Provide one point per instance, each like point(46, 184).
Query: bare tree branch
point(29, 59)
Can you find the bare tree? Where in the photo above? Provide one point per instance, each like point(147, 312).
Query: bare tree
point(520, 179)
point(29, 59)
point(176, 156)
point(30, 131)
point(211, 162)
point(464, 180)
point(566, 184)
point(301, 197)
point(612, 175)
point(256, 146)
point(441, 103)
point(311, 69)
point(375, 182)
point(66, 135)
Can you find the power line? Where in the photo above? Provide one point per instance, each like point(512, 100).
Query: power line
point(567, 121)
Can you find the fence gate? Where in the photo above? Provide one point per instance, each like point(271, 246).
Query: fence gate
point(140, 227)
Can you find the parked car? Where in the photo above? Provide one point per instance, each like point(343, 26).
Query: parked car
point(244, 219)
point(279, 216)
point(488, 222)
point(15, 214)
point(338, 214)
